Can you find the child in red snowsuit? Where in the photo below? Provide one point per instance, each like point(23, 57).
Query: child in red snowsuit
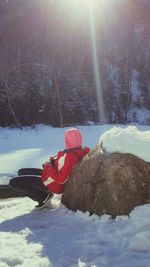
point(55, 173)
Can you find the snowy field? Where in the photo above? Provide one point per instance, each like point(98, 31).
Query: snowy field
point(59, 237)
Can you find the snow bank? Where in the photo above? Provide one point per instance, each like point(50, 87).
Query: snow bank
point(62, 238)
point(128, 140)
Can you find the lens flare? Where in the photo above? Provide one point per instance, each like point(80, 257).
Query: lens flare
point(96, 64)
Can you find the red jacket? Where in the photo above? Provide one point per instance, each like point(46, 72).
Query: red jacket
point(55, 177)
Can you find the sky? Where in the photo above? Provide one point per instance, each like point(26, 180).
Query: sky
point(57, 236)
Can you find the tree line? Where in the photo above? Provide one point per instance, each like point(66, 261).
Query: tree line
point(46, 67)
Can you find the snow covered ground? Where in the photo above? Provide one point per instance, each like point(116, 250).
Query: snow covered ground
point(59, 237)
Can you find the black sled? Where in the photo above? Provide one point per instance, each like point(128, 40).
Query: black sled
point(29, 171)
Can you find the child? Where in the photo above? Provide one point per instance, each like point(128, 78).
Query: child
point(55, 173)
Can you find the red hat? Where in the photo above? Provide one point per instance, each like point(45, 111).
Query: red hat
point(73, 138)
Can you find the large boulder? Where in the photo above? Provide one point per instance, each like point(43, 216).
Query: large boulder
point(108, 184)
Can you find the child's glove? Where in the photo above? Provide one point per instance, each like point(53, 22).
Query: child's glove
point(47, 163)
point(52, 161)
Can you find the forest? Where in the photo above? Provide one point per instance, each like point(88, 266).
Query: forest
point(62, 65)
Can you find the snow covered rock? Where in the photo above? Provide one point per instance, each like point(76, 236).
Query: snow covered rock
point(105, 183)
point(127, 140)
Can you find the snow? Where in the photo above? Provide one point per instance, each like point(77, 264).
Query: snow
point(128, 140)
point(140, 115)
point(58, 237)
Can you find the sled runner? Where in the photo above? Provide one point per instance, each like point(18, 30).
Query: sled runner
point(29, 171)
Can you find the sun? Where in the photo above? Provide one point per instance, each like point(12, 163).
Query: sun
point(79, 10)
point(84, 4)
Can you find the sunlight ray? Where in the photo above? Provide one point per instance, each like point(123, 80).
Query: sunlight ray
point(96, 65)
